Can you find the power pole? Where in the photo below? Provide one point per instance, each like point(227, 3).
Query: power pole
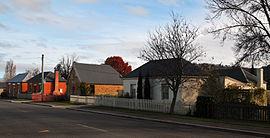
point(42, 83)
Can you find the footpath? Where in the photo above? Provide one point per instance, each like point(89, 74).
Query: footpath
point(245, 129)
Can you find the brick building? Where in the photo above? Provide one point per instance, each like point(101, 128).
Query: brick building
point(17, 84)
point(103, 79)
point(54, 84)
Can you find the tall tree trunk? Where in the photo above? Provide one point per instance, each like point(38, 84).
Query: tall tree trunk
point(173, 101)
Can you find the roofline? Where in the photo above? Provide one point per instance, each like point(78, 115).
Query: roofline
point(202, 76)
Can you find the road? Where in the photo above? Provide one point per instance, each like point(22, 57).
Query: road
point(27, 120)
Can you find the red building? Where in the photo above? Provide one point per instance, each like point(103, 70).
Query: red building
point(54, 84)
point(17, 85)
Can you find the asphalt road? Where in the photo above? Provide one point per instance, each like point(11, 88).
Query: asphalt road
point(26, 120)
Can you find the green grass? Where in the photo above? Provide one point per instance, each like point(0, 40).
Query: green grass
point(63, 103)
point(21, 99)
point(164, 116)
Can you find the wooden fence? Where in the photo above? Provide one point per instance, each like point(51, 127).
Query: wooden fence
point(135, 104)
point(234, 111)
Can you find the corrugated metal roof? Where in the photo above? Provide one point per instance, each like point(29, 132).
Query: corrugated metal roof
point(166, 67)
point(20, 78)
point(48, 76)
point(97, 74)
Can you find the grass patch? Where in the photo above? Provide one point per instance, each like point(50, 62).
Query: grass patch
point(63, 103)
point(164, 115)
point(21, 99)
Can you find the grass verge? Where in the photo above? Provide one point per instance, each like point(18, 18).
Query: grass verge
point(63, 103)
point(21, 99)
point(165, 116)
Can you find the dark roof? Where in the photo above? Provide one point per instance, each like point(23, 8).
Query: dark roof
point(166, 67)
point(97, 74)
point(3, 85)
point(237, 73)
point(48, 76)
point(20, 78)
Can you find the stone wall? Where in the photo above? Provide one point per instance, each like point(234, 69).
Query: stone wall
point(108, 89)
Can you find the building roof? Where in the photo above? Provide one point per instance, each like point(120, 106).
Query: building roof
point(166, 67)
point(97, 74)
point(237, 73)
point(48, 76)
point(20, 78)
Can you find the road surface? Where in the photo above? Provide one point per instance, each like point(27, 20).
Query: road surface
point(27, 120)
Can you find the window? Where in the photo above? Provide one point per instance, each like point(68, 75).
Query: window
point(165, 92)
point(30, 87)
point(18, 85)
point(13, 90)
point(35, 88)
point(133, 90)
point(39, 87)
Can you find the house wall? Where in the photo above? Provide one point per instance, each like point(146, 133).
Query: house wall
point(10, 88)
point(24, 87)
point(188, 94)
point(48, 87)
point(107, 89)
point(230, 81)
point(191, 90)
point(73, 87)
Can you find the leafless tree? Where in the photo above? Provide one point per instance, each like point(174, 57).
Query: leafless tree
point(173, 41)
point(10, 70)
point(65, 64)
point(247, 22)
point(32, 71)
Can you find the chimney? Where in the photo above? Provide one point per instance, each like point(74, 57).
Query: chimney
point(259, 76)
point(56, 80)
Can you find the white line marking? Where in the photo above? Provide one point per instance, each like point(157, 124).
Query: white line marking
point(94, 128)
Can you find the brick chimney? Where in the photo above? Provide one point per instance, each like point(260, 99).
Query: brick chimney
point(56, 80)
point(259, 76)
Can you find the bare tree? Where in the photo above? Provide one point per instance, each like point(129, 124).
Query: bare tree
point(173, 41)
point(65, 64)
point(247, 22)
point(33, 71)
point(10, 70)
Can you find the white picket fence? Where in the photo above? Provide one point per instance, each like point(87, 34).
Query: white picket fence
point(135, 104)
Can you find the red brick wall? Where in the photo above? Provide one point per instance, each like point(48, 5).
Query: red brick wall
point(24, 87)
point(107, 89)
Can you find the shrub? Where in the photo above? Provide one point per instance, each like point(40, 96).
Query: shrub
point(4, 94)
point(86, 89)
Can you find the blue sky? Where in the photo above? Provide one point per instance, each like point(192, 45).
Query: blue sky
point(93, 30)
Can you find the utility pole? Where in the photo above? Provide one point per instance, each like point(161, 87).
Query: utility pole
point(42, 82)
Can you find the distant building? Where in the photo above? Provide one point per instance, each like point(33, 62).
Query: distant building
point(237, 76)
point(54, 84)
point(17, 84)
point(103, 79)
point(3, 87)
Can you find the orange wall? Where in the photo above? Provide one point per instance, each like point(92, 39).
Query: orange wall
point(24, 87)
point(49, 87)
point(107, 89)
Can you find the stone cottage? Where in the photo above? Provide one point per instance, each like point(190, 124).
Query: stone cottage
point(103, 79)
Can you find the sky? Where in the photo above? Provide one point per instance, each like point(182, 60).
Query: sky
point(94, 30)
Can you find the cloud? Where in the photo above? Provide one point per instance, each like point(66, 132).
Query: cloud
point(6, 45)
point(137, 10)
point(33, 5)
point(85, 1)
point(3, 27)
point(3, 8)
point(52, 19)
point(169, 2)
